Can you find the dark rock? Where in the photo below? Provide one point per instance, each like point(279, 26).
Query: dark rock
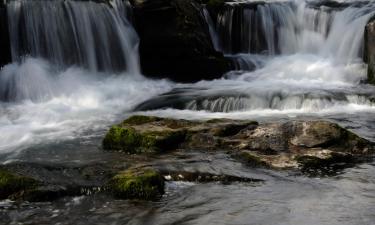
point(175, 41)
point(5, 54)
point(12, 184)
point(327, 164)
point(204, 177)
point(369, 50)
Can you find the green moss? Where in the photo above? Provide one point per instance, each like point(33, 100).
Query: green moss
point(11, 183)
point(252, 159)
point(129, 140)
point(144, 184)
point(140, 119)
point(122, 139)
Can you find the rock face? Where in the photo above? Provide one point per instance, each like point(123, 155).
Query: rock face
point(175, 41)
point(296, 144)
point(369, 50)
point(5, 55)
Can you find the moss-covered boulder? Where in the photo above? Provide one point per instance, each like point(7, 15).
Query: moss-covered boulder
point(12, 184)
point(137, 183)
point(135, 140)
point(305, 145)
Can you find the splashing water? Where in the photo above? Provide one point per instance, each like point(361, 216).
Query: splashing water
point(308, 61)
point(70, 102)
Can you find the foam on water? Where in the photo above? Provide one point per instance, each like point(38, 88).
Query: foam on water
point(58, 105)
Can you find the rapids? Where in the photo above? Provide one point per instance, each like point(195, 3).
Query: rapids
point(75, 72)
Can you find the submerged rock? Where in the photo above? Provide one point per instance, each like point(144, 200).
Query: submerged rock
point(13, 185)
point(137, 183)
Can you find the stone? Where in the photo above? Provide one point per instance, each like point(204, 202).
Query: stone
point(175, 41)
point(137, 183)
point(12, 184)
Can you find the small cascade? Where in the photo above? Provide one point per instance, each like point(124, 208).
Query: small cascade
point(211, 29)
point(274, 28)
point(97, 36)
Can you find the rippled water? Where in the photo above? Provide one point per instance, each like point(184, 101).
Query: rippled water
point(284, 198)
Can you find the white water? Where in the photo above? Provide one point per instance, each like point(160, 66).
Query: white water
point(63, 105)
point(316, 74)
point(97, 36)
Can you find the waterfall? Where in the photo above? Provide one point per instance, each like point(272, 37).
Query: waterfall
point(97, 36)
point(274, 28)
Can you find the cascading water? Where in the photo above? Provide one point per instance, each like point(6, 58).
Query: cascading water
point(75, 68)
point(97, 36)
point(292, 27)
point(303, 59)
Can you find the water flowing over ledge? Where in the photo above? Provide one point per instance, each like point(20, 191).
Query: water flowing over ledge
point(97, 36)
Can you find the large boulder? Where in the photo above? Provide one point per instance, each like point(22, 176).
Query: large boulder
point(175, 41)
point(369, 50)
point(305, 145)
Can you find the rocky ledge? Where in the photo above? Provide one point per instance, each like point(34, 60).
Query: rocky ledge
point(295, 144)
point(150, 151)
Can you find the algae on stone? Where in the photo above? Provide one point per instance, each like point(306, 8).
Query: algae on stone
point(11, 183)
point(140, 119)
point(122, 139)
point(137, 183)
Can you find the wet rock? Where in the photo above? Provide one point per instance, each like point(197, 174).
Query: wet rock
point(12, 184)
point(137, 183)
point(130, 140)
point(324, 162)
point(369, 50)
point(5, 55)
point(305, 145)
point(204, 177)
point(175, 41)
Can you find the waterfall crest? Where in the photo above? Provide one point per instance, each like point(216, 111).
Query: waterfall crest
point(279, 28)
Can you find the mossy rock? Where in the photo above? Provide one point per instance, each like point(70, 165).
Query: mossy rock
point(140, 119)
point(137, 183)
point(159, 141)
point(128, 139)
point(122, 139)
point(11, 184)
